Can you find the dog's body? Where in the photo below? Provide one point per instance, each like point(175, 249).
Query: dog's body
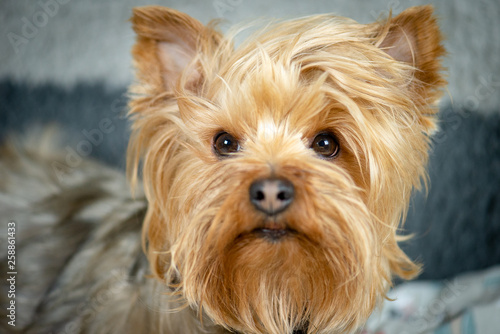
point(276, 176)
point(80, 264)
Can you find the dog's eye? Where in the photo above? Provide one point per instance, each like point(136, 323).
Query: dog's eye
point(225, 144)
point(326, 145)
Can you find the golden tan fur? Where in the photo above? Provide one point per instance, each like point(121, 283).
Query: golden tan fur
point(373, 86)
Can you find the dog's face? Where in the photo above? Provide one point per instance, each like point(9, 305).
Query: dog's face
point(278, 172)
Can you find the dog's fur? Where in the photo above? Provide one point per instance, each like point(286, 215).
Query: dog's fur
point(329, 258)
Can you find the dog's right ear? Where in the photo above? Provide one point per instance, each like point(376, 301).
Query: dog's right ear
point(167, 47)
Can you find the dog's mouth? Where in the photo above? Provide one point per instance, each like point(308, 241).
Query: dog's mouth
point(273, 232)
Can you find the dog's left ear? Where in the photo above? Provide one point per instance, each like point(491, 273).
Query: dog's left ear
point(167, 46)
point(414, 37)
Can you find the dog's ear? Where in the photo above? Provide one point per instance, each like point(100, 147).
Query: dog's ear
point(414, 37)
point(167, 45)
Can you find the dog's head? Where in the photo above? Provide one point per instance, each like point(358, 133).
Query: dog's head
point(278, 171)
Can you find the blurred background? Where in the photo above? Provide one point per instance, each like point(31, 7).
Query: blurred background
point(68, 61)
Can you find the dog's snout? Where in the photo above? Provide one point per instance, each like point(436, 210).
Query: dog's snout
point(272, 195)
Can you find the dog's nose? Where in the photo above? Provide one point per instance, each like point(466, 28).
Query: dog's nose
point(272, 195)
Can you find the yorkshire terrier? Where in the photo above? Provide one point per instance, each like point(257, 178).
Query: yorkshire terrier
point(277, 174)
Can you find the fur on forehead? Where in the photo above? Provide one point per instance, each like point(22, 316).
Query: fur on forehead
point(293, 69)
point(333, 58)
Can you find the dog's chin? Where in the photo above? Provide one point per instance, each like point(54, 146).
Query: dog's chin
point(284, 260)
point(270, 263)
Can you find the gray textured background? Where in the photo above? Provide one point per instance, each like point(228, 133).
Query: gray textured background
point(89, 40)
point(69, 62)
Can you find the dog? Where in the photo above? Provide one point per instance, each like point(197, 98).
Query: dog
point(271, 181)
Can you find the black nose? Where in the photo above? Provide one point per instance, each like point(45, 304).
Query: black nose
point(272, 195)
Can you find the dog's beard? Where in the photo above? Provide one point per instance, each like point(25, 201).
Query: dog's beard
point(317, 265)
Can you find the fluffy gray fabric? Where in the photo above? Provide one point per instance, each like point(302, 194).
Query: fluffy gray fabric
point(457, 226)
